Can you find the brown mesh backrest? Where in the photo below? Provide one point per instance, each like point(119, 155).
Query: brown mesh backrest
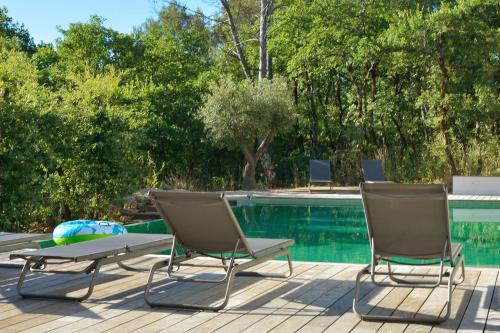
point(201, 222)
point(407, 220)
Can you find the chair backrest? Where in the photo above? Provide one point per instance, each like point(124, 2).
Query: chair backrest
point(319, 170)
point(201, 222)
point(407, 220)
point(372, 170)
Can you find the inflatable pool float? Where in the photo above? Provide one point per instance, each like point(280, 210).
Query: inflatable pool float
point(83, 230)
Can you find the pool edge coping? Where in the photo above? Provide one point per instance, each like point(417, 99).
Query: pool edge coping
point(348, 196)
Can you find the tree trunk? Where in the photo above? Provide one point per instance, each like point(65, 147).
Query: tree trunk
point(480, 161)
point(314, 128)
point(249, 170)
point(269, 66)
point(264, 9)
point(444, 126)
point(236, 39)
point(252, 158)
point(249, 177)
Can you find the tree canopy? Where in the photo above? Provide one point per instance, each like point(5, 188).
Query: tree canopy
point(100, 114)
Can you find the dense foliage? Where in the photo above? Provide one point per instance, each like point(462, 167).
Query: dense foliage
point(100, 114)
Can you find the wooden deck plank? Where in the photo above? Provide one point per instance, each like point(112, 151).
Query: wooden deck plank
point(49, 310)
point(339, 307)
point(418, 297)
point(380, 302)
point(8, 288)
point(432, 307)
point(391, 302)
point(304, 286)
point(213, 294)
point(49, 282)
point(319, 305)
point(133, 303)
point(265, 287)
point(316, 301)
point(474, 319)
point(436, 302)
point(115, 313)
point(408, 308)
point(180, 316)
point(493, 322)
point(240, 308)
point(105, 296)
point(20, 308)
point(58, 314)
point(348, 320)
point(12, 301)
point(460, 301)
point(265, 305)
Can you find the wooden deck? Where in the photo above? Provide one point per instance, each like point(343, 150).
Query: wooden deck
point(317, 298)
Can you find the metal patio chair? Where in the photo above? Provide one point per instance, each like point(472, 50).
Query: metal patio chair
point(410, 222)
point(203, 224)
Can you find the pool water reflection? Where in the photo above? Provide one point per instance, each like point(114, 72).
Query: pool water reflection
point(335, 230)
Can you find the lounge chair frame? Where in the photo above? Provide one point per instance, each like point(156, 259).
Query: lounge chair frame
point(448, 273)
point(231, 265)
point(231, 269)
point(39, 264)
point(456, 264)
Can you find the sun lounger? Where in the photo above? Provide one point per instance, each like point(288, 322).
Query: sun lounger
point(15, 241)
point(98, 252)
point(410, 222)
point(373, 171)
point(319, 172)
point(203, 224)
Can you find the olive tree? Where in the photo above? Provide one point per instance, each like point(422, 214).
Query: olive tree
point(247, 116)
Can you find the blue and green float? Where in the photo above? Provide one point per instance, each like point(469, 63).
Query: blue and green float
point(71, 232)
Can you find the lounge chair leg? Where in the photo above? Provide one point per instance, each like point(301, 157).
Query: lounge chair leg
point(131, 268)
point(451, 283)
point(153, 303)
point(462, 269)
point(290, 267)
point(228, 279)
point(365, 270)
point(224, 262)
point(95, 266)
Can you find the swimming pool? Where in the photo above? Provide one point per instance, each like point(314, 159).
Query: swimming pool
point(332, 230)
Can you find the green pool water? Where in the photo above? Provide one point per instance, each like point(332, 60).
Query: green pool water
point(335, 230)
